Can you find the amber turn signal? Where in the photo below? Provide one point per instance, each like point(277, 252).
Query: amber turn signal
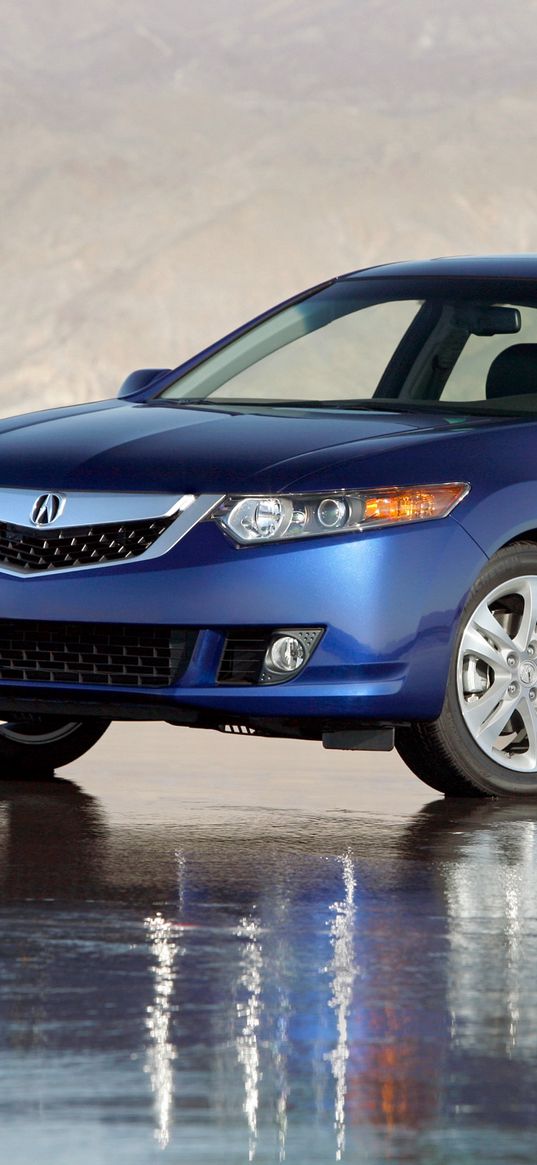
point(412, 504)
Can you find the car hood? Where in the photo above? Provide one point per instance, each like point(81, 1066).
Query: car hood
point(119, 446)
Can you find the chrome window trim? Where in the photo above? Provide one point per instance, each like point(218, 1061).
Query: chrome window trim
point(84, 508)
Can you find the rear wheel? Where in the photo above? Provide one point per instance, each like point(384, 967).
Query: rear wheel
point(35, 746)
point(485, 740)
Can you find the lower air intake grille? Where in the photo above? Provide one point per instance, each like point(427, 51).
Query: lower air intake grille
point(28, 550)
point(243, 656)
point(94, 653)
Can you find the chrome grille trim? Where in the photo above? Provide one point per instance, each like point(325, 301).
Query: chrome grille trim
point(88, 508)
point(93, 510)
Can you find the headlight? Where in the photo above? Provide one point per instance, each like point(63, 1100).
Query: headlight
point(252, 520)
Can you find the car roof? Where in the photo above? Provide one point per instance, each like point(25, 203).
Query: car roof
point(456, 266)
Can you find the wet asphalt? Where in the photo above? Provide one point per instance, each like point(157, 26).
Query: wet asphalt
point(216, 951)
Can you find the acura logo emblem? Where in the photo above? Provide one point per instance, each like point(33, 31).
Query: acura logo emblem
point(46, 509)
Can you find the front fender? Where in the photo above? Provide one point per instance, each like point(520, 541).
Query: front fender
point(494, 519)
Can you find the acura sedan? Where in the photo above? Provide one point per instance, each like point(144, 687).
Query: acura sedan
point(323, 527)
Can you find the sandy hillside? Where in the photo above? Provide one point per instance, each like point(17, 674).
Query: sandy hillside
point(169, 169)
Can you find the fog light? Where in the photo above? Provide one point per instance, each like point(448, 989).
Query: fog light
point(285, 654)
point(288, 653)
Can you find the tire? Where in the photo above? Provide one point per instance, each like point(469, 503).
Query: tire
point(484, 742)
point(414, 747)
point(38, 745)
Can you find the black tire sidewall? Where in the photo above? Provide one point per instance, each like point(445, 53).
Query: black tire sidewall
point(37, 757)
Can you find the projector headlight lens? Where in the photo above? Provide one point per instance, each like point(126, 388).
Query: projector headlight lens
point(332, 513)
point(251, 520)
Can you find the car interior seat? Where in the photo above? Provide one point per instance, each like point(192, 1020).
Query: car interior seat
point(513, 372)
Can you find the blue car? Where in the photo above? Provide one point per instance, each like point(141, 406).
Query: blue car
point(323, 527)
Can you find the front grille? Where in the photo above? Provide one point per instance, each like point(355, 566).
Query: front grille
point(243, 655)
point(27, 550)
point(94, 653)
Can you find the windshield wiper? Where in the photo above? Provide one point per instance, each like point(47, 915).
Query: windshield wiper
point(197, 402)
point(371, 405)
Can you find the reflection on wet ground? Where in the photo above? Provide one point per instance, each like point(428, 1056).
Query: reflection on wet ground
point(337, 986)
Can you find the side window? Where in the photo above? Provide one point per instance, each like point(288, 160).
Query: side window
point(468, 380)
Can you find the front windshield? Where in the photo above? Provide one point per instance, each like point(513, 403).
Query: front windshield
point(397, 343)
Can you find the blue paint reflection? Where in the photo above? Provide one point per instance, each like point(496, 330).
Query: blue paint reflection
point(316, 989)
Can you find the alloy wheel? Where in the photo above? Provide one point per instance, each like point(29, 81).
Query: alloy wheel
point(497, 674)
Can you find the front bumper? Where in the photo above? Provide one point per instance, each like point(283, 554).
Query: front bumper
point(389, 602)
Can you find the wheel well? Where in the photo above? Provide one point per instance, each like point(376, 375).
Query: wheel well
point(524, 536)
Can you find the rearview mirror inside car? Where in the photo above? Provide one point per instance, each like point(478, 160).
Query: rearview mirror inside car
point(489, 319)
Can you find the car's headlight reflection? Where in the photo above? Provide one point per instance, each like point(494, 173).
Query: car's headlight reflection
point(248, 1014)
point(161, 1052)
point(342, 970)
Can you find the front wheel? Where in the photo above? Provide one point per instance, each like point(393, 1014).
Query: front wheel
point(38, 745)
point(485, 739)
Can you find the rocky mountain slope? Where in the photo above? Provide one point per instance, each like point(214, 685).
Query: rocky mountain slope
point(168, 170)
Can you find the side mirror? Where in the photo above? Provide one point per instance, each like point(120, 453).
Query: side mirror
point(139, 379)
